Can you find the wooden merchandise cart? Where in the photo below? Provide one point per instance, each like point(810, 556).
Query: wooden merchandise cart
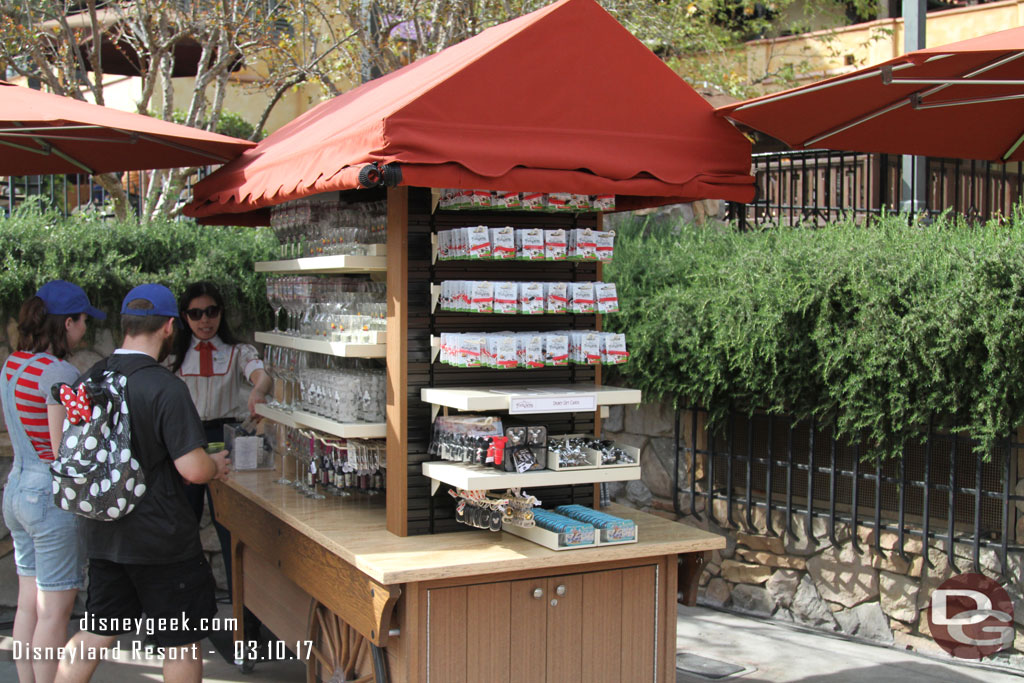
point(561, 100)
point(397, 590)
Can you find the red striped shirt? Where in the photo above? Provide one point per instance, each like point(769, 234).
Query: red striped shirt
point(30, 403)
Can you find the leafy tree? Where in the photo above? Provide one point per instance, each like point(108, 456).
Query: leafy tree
point(67, 47)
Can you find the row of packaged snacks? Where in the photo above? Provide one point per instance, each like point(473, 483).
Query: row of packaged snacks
point(528, 298)
point(508, 350)
point(453, 199)
point(525, 244)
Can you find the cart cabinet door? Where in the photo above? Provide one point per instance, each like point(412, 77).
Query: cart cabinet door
point(580, 628)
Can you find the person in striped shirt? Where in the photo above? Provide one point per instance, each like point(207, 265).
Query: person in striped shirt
point(47, 555)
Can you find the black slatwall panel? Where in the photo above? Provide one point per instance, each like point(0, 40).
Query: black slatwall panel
point(437, 515)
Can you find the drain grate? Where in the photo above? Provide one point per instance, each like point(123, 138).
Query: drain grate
point(705, 667)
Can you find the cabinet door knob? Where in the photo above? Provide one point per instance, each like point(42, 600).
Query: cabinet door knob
point(554, 603)
point(560, 591)
point(538, 593)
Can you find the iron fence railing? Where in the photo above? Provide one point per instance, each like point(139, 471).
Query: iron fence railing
point(938, 491)
point(819, 186)
point(78, 192)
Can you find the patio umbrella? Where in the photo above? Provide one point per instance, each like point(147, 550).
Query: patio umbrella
point(43, 133)
point(962, 100)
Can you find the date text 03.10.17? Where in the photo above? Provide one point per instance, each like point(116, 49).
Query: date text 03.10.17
point(273, 650)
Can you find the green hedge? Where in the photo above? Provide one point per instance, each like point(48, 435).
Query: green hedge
point(874, 329)
point(107, 258)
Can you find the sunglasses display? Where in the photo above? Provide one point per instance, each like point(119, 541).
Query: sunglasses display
point(196, 314)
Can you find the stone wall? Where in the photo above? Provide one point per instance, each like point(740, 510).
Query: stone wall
point(881, 596)
point(102, 345)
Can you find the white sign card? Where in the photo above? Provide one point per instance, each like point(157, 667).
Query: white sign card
point(568, 403)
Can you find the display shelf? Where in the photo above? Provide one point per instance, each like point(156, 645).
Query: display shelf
point(339, 349)
point(326, 264)
point(546, 399)
point(476, 477)
point(298, 418)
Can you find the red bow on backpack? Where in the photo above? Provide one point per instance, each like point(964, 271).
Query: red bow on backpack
point(76, 403)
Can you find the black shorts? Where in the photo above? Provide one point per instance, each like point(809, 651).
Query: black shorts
point(178, 600)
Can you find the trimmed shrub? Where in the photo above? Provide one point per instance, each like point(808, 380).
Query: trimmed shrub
point(873, 329)
point(107, 258)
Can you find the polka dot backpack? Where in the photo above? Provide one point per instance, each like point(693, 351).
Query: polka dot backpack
point(95, 474)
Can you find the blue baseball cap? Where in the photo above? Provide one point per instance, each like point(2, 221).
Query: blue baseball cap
point(162, 299)
point(64, 298)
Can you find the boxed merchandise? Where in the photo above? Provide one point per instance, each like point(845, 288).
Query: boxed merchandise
point(500, 351)
point(572, 452)
point(570, 532)
point(603, 202)
point(560, 201)
point(581, 297)
point(605, 240)
point(585, 348)
point(613, 349)
point(478, 242)
point(530, 349)
point(504, 200)
point(530, 244)
point(482, 298)
point(531, 298)
point(503, 243)
point(556, 349)
point(582, 244)
point(607, 297)
point(506, 297)
point(556, 297)
point(533, 201)
point(612, 529)
point(554, 245)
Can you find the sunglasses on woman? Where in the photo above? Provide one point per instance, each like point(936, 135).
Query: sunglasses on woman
point(196, 314)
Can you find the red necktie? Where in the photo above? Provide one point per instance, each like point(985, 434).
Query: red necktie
point(205, 350)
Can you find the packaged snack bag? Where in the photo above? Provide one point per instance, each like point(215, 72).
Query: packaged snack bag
point(590, 348)
point(554, 245)
point(582, 245)
point(559, 201)
point(607, 297)
point(480, 198)
point(502, 349)
point(531, 350)
point(471, 350)
point(603, 202)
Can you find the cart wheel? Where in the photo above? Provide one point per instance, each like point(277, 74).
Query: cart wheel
point(339, 653)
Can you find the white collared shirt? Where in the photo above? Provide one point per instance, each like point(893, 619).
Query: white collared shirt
point(225, 394)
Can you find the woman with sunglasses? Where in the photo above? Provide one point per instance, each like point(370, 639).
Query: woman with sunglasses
point(217, 368)
point(47, 555)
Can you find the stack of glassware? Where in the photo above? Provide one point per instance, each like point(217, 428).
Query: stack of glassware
point(328, 227)
point(337, 309)
point(325, 465)
point(344, 390)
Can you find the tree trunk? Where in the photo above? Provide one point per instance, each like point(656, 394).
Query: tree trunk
point(111, 182)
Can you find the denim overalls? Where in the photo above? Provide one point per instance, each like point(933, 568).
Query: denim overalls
point(46, 543)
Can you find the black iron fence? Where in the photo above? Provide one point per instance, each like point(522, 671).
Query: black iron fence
point(938, 491)
point(819, 186)
point(69, 193)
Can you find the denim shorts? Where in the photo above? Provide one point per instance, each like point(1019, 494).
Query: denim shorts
point(46, 543)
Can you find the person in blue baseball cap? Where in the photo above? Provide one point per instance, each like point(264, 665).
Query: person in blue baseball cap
point(47, 552)
point(133, 559)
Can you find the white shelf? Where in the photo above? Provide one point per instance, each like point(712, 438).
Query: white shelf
point(340, 349)
point(476, 477)
point(326, 264)
point(298, 418)
point(500, 399)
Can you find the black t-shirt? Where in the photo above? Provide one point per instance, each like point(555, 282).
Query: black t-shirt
point(165, 426)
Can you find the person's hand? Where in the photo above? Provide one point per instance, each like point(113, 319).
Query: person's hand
point(223, 463)
point(255, 396)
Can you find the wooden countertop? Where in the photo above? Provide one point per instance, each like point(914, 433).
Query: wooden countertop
point(354, 529)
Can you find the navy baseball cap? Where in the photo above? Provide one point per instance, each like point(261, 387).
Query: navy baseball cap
point(64, 298)
point(162, 299)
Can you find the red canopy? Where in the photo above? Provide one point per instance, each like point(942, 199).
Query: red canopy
point(562, 99)
point(961, 100)
point(43, 133)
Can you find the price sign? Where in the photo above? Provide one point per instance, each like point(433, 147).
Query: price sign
point(569, 403)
